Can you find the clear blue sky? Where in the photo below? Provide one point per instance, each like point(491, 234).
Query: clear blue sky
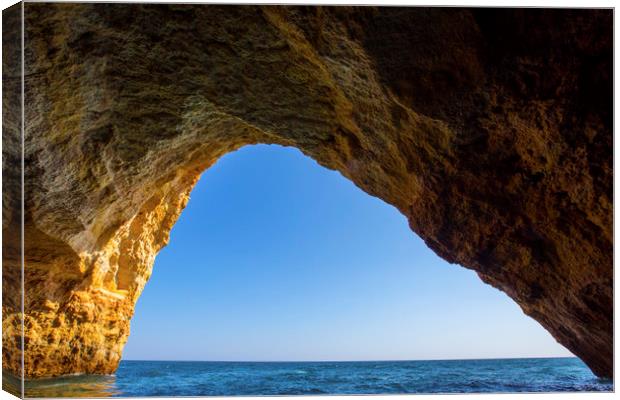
point(277, 258)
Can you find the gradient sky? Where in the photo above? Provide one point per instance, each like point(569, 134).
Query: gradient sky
point(277, 258)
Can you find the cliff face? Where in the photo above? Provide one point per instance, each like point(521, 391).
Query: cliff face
point(490, 130)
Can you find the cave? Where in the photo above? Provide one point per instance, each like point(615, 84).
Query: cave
point(277, 259)
point(490, 130)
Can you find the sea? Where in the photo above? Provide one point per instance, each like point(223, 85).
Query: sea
point(201, 378)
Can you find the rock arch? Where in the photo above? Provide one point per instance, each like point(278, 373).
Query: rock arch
point(490, 130)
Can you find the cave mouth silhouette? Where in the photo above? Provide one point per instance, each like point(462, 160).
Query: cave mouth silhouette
point(497, 173)
point(277, 244)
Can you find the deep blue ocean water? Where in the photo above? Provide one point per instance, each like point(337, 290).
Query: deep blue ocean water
point(189, 378)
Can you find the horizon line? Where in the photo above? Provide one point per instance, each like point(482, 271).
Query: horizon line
point(353, 361)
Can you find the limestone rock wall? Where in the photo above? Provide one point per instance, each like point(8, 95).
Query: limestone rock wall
point(11, 190)
point(490, 130)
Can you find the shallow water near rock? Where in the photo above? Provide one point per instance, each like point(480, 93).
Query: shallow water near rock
point(199, 378)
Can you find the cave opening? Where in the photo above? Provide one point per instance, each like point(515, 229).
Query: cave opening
point(276, 258)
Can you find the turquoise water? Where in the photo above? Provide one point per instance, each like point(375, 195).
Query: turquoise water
point(189, 378)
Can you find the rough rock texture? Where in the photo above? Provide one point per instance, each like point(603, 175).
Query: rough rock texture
point(11, 192)
point(490, 130)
